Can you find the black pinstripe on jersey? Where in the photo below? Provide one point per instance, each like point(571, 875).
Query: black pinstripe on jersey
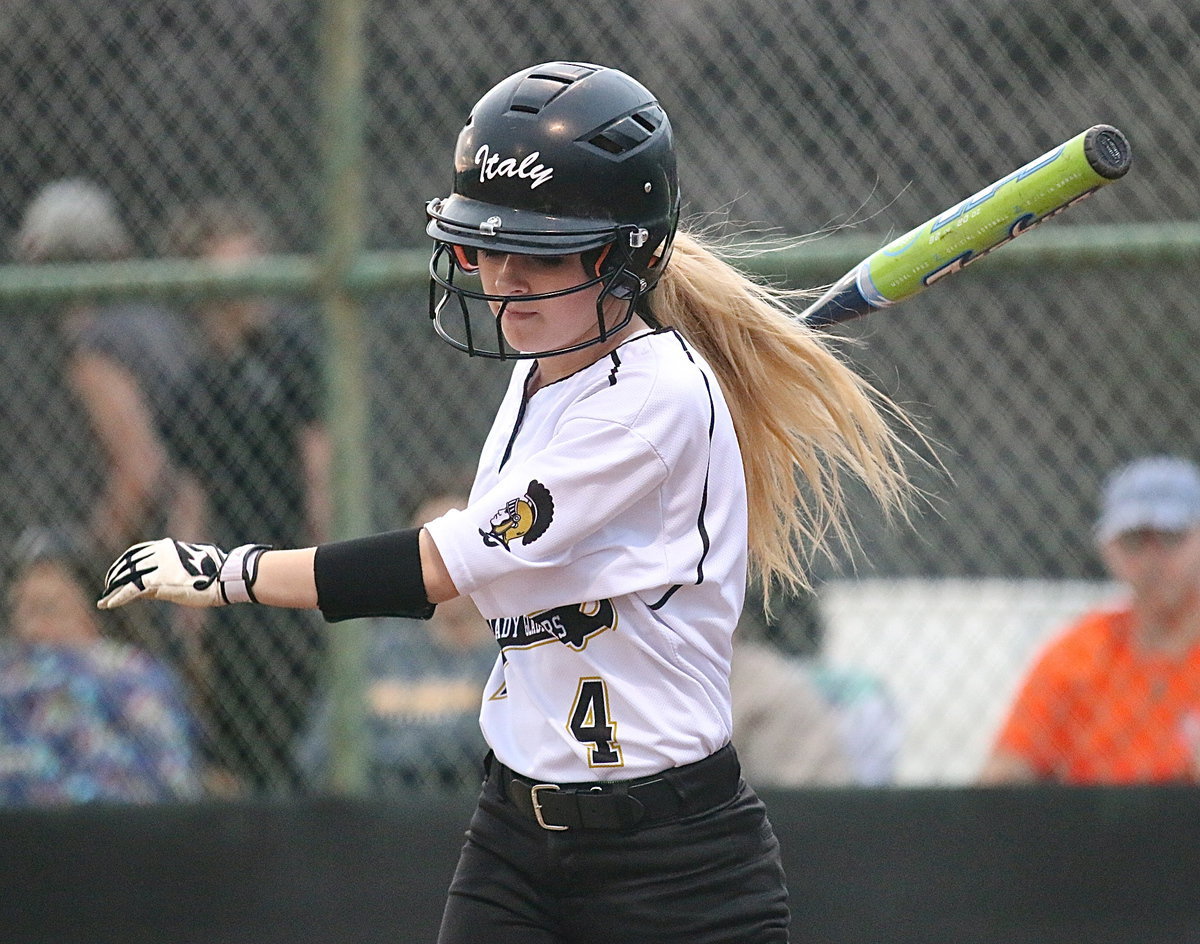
point(700, 526)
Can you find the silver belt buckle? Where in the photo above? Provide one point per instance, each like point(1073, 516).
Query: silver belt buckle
point(537, 806)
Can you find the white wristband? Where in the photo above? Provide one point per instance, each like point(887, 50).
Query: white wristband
point(239, 572)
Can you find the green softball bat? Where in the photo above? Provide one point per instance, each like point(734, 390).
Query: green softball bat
point(969, 230)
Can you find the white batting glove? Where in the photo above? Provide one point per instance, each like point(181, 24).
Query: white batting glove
point(187, 574)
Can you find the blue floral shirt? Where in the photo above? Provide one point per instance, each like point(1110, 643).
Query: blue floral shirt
point(102, 723)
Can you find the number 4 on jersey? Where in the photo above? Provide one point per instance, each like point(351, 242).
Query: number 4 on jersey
point(591, 724)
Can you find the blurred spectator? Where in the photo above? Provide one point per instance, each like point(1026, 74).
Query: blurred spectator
point(1116, 697)
point(114, 360)
point(247, 419)
point(82, 718)
point(247, 425)
point(424, 685)
point(785, 733)
point(783, 686)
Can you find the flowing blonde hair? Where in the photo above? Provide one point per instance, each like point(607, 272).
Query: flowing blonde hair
point(803, 416)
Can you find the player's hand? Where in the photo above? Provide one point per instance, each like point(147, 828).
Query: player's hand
point(179, 572)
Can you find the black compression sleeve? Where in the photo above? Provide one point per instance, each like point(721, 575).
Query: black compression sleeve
point(378, 575)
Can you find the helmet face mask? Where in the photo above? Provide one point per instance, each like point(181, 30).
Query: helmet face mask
point(558, 159)
point(470, 319)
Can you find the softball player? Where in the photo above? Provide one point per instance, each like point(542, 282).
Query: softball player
point(606, 537)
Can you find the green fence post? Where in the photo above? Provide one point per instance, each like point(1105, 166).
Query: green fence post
point(343, 157)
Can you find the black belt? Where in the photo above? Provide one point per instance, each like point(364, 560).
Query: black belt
point(623, 804)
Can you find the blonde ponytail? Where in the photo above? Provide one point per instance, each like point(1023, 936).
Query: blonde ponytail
point(803, 416)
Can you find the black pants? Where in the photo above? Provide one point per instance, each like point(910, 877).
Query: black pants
point(708, 877)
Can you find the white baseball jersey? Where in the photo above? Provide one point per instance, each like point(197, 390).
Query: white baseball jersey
point(605, 543)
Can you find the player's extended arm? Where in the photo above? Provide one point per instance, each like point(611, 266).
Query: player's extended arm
point(397, 573)
point(286, 578)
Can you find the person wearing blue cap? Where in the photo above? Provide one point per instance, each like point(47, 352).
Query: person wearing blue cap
point(1116, 697)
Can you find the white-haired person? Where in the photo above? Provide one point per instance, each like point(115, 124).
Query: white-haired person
point(667, 425)
point(105, 357)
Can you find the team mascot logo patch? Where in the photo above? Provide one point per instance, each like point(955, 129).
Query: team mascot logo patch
point(526, 518)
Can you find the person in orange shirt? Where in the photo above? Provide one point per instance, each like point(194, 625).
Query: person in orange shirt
point(1116, 697)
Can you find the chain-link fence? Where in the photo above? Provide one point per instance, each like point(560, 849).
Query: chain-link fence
point(800, 118)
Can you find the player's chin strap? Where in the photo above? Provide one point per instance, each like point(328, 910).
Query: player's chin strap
point(239, 571)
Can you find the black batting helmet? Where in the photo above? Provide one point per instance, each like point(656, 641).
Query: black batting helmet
point(560, 158)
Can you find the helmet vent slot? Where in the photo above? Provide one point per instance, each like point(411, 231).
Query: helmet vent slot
point(536, 92)
point(606, 143)
point(627, 133)
point(649, 118)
